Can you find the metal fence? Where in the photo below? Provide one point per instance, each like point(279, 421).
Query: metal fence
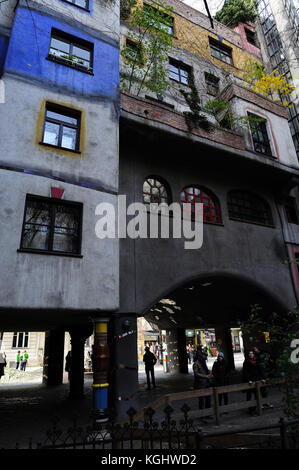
point(168, 434)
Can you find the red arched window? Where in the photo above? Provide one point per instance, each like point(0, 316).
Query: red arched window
point(211, 209)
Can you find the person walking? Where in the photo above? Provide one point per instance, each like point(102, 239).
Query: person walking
point(264, 391)
point(149, 360)
point(220, 371)
point(18, 359)
point(202, 378)
point(252, 372)
point(25, 357)
point(68, 364)
point(2, 363)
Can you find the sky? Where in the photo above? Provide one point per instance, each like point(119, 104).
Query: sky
point(214, 5)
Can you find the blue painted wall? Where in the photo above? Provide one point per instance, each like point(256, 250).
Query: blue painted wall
point(29, 46)
point(3, 49)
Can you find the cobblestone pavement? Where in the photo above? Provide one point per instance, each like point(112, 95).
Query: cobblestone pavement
point(27, 407)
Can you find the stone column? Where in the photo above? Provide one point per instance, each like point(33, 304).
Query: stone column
point(53, 357)
point(78, 337)
point(225, 345)
point(124, 364)
point(182, 352)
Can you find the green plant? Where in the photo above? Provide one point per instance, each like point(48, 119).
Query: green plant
point(126, 8)
point(280, 331)
point(194, 117)
point(148, 30)
point(234, 12)
point(225, 117)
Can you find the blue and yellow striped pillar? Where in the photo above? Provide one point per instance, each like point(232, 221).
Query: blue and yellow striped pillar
point(101, 359)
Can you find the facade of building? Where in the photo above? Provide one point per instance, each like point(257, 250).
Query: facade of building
point(65, 151)
point(277, 28)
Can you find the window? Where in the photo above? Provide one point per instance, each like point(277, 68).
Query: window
point(250, 36)
point(260, 137)
point(71, 51)
point(62, 127)
point(51, 225)
point(211, 209)
point(220, 51)
point(20, 339)
point(155, 191)
point(243, 205)
point(79, 3)
point(133, 51)
point(291, 210)
point(164, 22)
point(212, 84)
point(179, 71)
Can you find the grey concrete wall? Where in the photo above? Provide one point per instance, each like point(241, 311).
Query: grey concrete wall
point(98, 160)
point(38, 281)
point(152, 268)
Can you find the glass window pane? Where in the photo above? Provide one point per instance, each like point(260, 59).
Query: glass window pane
point(69, 138)
point(51, 133)
point(65, 240)
point(37, 212)
point(61, 45)
point(82, 53)
point(81, 3)
point(35, 237)
point(62, 117)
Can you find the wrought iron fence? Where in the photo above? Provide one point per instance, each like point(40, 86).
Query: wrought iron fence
point(168, 434)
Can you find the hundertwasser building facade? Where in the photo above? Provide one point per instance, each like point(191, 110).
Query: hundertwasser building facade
point(71, 138)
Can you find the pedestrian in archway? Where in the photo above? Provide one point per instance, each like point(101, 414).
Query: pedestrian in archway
point(68, 364)
point(252, 372)
point(2, 363)
point(24, 360)
point(264, 391)
point(149, 360)
point(202, 378)
point(221, 371)
point(18, 359)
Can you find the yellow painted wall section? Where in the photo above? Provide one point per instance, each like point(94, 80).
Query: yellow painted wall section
point(193, 38)
point(40, 127)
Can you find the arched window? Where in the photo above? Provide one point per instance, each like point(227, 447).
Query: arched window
point(155, 191)
point(244, 205)
point(211, 208)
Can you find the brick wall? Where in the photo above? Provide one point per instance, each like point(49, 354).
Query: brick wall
point(158, 113)
point(252, 97)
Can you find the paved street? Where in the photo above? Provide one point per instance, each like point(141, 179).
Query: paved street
point(27, 407)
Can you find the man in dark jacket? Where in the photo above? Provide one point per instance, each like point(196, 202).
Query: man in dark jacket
point(202, 378)
point(220, 373)
point(150, 360)
point(252, 372)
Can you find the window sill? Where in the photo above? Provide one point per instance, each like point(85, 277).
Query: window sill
point(60, 148)
point(251, 222)
point(60, 61)
point(52, 253)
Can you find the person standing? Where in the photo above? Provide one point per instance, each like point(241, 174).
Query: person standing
point(149, 360)
point(2, 363)
point(252, 372)
point(18, 359)
point(24, 361)
point(202, 378)
point(220, 373)
point(68, 364)
point(264, 391)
